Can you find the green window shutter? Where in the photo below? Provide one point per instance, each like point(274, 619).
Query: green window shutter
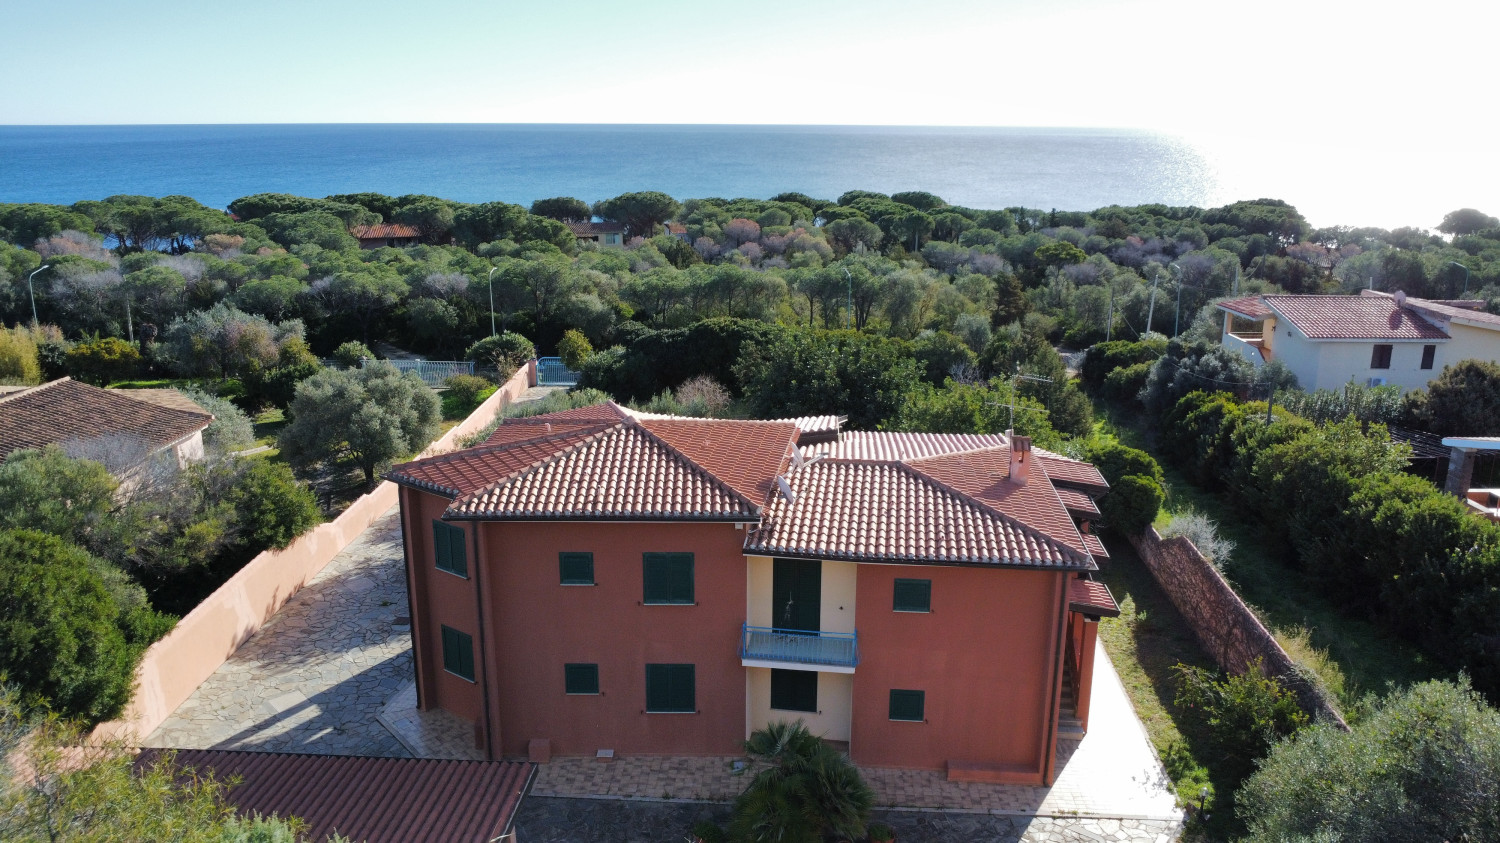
point(458, 653)
point(576, 568)
point(448, 547)
point(794, 690)
point(668, 578)
point(581, 678)
point(913, 595)
point(670, 688)
point(908, 705)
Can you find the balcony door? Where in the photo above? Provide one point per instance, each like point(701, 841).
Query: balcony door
point(796, 594)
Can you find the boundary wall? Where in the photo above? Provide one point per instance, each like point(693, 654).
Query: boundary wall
point(1225, 627)
point(173, 667)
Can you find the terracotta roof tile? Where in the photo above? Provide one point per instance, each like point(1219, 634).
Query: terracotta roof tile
point(376, 800)
point(867, 445)
point(169, 398)
point(984, 476)
point(883, 511)
point(1250, 307)
point(1077, 502)
point(1455, 313)
point(1095, 546)
point(622, 473)
point(1353, 318)
point(590, 229)
point(1070, 472)
point(815, 429)
point(468, 471)
point(383, 231)
point(1092, 598)
point(68, 411)
point(747, 456)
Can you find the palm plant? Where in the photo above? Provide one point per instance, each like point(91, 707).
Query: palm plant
point(805, 792)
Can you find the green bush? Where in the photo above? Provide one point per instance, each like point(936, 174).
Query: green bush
point(574, 349)
point(103, 361)
point(271, 508)
point(501, 352)
point(463, 394)
point(18, 357)
point(708, 831)
point(352, 353)
point(1106, 357)
point(658, 360)
point(1243, 716)
point(60, 640)
point(818, 372)
point(276, 386)
point(1115, 461)
point(231, 429)
point(805, 791)
point(1424, 766)
point(1132, 504)
point(1124, 384)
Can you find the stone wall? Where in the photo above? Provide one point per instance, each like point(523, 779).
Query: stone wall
point(175, 666)
point(1226, 628)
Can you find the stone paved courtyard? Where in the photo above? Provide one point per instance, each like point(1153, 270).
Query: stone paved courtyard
point(316, 674)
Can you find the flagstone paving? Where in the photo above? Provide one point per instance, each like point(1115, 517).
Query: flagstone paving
point(317, 673)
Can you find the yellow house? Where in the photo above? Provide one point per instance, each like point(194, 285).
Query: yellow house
point(1372, 339)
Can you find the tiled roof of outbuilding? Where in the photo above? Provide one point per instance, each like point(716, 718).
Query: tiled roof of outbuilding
point(376, 800)
point(65, 410)
point(384, 230)
point(1092, 598)
point(1250, 307)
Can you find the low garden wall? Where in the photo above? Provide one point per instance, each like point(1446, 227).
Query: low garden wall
point(175, 666)
point(1226, 628)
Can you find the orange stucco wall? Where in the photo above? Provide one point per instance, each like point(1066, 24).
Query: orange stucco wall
point(986, 656)
point(539, 625)
point(438, 599)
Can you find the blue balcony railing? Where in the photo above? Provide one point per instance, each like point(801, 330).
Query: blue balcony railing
point(796, 646)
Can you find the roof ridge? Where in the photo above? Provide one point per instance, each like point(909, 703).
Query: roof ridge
point(536, 464)
point(125, 393)
point(693, 464)
point(998, 513)
point(481, 450)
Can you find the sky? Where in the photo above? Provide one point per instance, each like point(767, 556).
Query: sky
point(1175, 65)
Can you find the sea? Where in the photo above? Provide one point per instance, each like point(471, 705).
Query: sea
point(1066, 169)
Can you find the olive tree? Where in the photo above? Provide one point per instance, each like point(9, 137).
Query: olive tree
point(368, 417)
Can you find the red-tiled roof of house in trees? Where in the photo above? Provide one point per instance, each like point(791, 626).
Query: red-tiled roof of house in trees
point(889, 512)
point(867, 445)
point(65, 411)
point(592, 229)
point(1095, 546)
point(383, 231)
point(1353, 318)
point(376, 800)
point(1092, 598)
point(1250, 307)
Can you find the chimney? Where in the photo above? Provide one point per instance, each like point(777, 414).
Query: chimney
point(1020, 459)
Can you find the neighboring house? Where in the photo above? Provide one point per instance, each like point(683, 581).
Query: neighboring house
point(678, 230)
point(386, 234)
point(117, 427)
point(374, 800)
point(602, 579)
point(598, 233)
point(1371, 339)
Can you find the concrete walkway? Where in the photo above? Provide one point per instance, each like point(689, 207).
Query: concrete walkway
point(316, 674)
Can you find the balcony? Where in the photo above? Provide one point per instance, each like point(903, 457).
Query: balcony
point(833, 652)
point(1250, 346)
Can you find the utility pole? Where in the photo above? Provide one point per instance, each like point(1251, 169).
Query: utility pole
point(849, 317)
point(1151, 312)
point(492, 299)
point(32, 292)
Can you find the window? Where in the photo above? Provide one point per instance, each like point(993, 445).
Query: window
point(1429, 352)
point(448, 546)
point(913, 595)
point(908, 705)
point(458, 653)
point(576, 568)
point(794, 690)
point(581, 678)
point(669, 688)
point(669, 578)
point(1381, 357)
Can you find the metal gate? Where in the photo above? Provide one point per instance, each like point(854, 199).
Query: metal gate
point(550, 371)
point(433, 372)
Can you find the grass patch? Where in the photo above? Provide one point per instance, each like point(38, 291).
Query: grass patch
point(1144, 643)
point(268, 425)
point(456, 409)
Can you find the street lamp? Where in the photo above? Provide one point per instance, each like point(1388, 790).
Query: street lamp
point(849, 317)
point(31, 291)
point(1466, 277)
point(492, 299)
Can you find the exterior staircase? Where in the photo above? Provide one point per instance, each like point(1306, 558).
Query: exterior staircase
point(1069, 728)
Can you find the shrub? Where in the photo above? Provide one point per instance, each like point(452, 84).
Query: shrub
point(18, 357)
point(103, 361)
point(59, 636)
point(463, 394)
point(352, 353)
point(368, 416)
point(509, 348)
point(231, 429)
point(807, 791)
point(270, 507)
point(1243, 716)
point(881, 832)
point(574, 349)
point(708, 831)
point(1381, 404)
point(1203, 532)
point(705, 392)
point(1132, 503)
point(1425, 765)
point(659, 360)
point(1125, 383)
point(1463, 401)
point(1115, 461)
point(1106, 357)
point(276, 386)
point(942, 355)
point(49, 491)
